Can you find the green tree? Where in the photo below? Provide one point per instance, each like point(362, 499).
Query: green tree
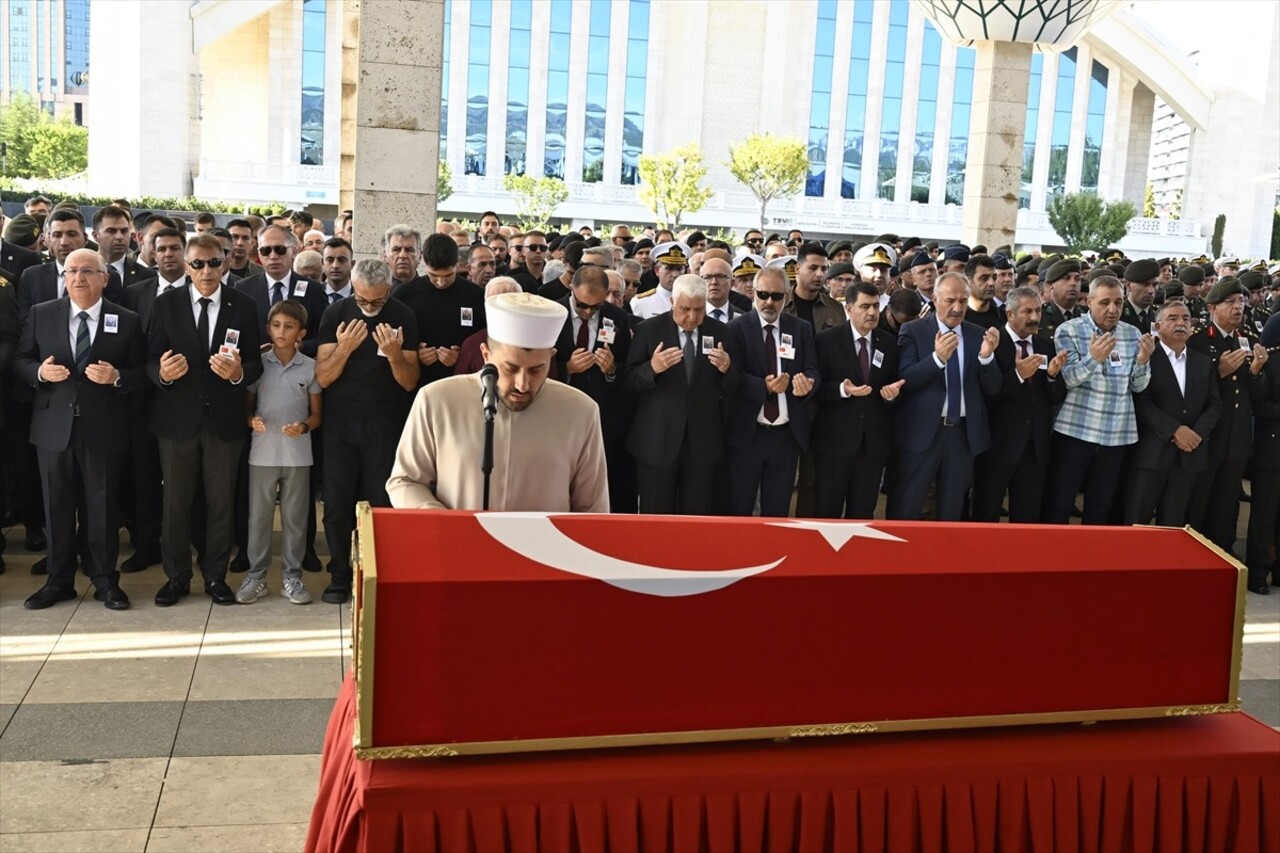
point(1149, 203)
point(770, 166)
point(1084, 221)
point(37, 145)
point(1175, 208)
point(444, 183)
point(1275, 235)
point(1219, 226)
point(671, 184)
point(536, 199)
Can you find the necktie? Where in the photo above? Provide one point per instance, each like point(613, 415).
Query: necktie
point(202, 325)
point(82, 342)
point(953, 388)
point(718, 314)
point(771, 360)
point(864, 360)
point(1022, 349)
point(689, 355)
point(277, 293)
point(583, 341)
point(62, 288)
point(334, 297)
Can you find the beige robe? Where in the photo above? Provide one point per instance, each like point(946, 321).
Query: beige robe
point(548, 458)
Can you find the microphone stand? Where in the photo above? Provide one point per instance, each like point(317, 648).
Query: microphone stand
point(486, 461)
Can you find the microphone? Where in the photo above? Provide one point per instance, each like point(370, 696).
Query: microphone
point(489, 391)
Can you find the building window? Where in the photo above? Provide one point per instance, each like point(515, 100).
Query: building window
point(1061, 137)
point(557, 87)
point(856, 113)
point(518, 86)
point(597, 92)
point(824, 53)
point(891, 106)
point(477, 144)
point(961, 104)
point(313, 36)
point(634, 92)
point(1093, 128)
point(444, 81)
point(20, 14)
point(926, 114)
point(1029, 130)
point(42, 59)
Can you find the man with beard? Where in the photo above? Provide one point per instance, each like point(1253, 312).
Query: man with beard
point(534, 254)
point(809, 298)
point(1062, 286)
point(501, 254)
point(1141, 279)
point(368, 365)
point(982, 310)
point(1107, 363)
point(548, 451)
point(244, 248)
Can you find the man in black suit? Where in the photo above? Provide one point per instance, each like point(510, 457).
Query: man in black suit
point(277, 282)
point(63, 234)
point(82, 354)
point(1021, 416)
point(1176, 413)
point(113, 229)
point(15, 260)
point(10, 331)
point(203, 356)
point(1262, 550)
point(853, 427)
point(169, 246)
point(721, 303)
point(682, 374)
point(949, 367)
point(592, 352)
point(772, 414)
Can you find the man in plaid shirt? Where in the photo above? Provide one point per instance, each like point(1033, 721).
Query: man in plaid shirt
point(1106, 365)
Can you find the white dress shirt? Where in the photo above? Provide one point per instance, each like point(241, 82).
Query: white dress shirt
point(214, 307)
point(95, 311)
point(871, 353)
point(1178, 361)
point(959, 353)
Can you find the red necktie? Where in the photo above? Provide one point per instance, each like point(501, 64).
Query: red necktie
point(583, 342)
point(864, 361)
point(771, 358)
point(1022, 346)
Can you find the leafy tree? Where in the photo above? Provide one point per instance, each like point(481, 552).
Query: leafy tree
point(770, 166)
point(1175, 207)
point(1084, 221)
point(1275, 235)
point(37, 145)
point(536, 199)
point(1149, 203)
point(1219, 226)
point(671, 184)
point(444, 183)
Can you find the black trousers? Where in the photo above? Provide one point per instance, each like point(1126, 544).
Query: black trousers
point(766, 466)
point(847, 486)
point(317, 487)
point(142, 486)
point(622, 476)
point(208, 463)
point(1022, 481)
point(1077, 463)
point(806, 487)
point(1215, 502)
point(685, 487)
point(948, 462)
point(358, 455)
point(81, 480)
point(1263, 545)
point(21, 457)
point(1163, 493)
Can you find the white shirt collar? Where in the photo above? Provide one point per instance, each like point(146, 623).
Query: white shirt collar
point(196, 296)
point(1014, 335)
point(1170, 353)
point(94, 310)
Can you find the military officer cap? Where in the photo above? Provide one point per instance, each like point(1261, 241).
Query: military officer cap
point(22, 230)
point(1274, 269)
point(747, 265)
point(1259, 266)
point(1192, 275)
point(1227, 259)
point(932, 245)
point(1164, 262)
point(910, 243)
point(1225, 288)
point(1062, 268)
point(786, 263)
point(1253, 281)
point(1114, 255)
point(837, 270)
point(1173, 290)
point(1142, 270)
point(919, 259)
point(674, 253)
point(1202, 260)
point(1002, 261)
point(956, 252)
point(875, 254)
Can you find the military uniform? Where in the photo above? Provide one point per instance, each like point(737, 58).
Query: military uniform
point(657, 301)
point(1141, 320)
point(1051, 317)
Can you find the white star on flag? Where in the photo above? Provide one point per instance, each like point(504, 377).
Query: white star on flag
point(838, 533)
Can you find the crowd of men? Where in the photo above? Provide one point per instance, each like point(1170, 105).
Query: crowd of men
point(775, 376)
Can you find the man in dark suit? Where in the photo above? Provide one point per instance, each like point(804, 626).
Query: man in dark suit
point(10, 331)
point(1176, 413)
point(718, 275)
point(82, 354)
point(63, 234)
point(203, 356)
point(1262, 550)
point(772, 414)
point(113, 229)
point(15, 260)
point(941, 424)
point(1021, 416)
point(853, 426)
point(169, 246)
point(681, 372)
point(592, 353)
point(277, 282)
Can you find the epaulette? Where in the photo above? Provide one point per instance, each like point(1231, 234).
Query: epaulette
point(646, 293)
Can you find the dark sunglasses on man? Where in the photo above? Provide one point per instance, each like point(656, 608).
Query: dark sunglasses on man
point(769, 295)
point(267, 250)
point(212, 263)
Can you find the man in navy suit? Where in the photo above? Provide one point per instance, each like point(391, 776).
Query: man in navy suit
point(948, 366)
point(277, 282)
point(83, 355)
point(772, 414)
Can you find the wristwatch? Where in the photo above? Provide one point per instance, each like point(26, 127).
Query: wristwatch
point(116, 382)
point(306, 428)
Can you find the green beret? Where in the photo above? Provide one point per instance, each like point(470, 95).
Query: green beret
point(1142, 270)
point(1061, 268)
point(1252, 281)
point(1097, 272)
point(1192, 275)
point(22, 230)
point(1208, 270)
point(1173, 290)
point(1116, 269)
point(1225, 288)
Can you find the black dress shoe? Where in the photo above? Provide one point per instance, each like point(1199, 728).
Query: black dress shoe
point(240, 563)
point(140, 561)
point(35, 540)
point(47, 596)
point(1260, 587)
point(113, 597)
point(40, 566)
point(171, 592)
point(219, 592)
point(311, 561)
point(336, 592)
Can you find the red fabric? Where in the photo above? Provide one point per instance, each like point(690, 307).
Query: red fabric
point(478, 643)
point(1193, 784)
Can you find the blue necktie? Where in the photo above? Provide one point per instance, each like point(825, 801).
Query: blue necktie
point(953, 388)
point(277, 293)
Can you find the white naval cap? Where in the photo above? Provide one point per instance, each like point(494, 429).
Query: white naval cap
point(524, 320)
point(875, 253)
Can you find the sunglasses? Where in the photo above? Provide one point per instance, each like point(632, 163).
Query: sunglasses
point(535, 248)
point(585, 306)
point(770, 296)
point(266, 251)
point(212, 263)
point(756, 242)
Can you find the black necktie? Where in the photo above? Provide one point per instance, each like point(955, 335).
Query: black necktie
point(1022, 348)
point(202, 325)
point(277, 293)
point(954, 388)
point(334, 297)
point(718, 314)
point(771, 362)
point(82, 342)
point(689, 355)
point(864, 361)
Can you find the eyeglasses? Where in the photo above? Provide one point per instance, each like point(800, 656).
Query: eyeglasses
point(770, 295)
point(212, 263)
point(721, 278)
point(72, 272)
point(266, 251)
point(371, 304)
point(536, 247)
point(585, 306)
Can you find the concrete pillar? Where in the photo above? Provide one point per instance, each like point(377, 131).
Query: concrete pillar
point(350, 85)
point(1138, 153)
point(397, 117)
point(993, 170)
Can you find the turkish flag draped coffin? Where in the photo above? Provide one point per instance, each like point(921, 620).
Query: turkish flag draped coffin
point(515, 627)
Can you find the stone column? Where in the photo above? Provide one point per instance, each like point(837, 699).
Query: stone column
point(397, 118)
point(993, 170)
point(350, 87)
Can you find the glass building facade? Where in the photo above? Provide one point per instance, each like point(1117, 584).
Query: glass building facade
point(21, 37)
point(856, 108)
point(311, 152)
point(477, 145)
point(518, 86)
point(557, 88)
point(635, 89)
point(1061, 134)
point(1029, 130)
point(961, 109)
point(75, 75)
point(1094, 119)
point(597, 92)
point(47, 52)
point(891, 107)
point(824, 53)
point(926, 114)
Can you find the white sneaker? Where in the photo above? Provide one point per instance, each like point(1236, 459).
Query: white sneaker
point(250, 590)
point(295, 591)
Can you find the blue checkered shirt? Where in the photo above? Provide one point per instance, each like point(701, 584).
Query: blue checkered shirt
point(1099, 404)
